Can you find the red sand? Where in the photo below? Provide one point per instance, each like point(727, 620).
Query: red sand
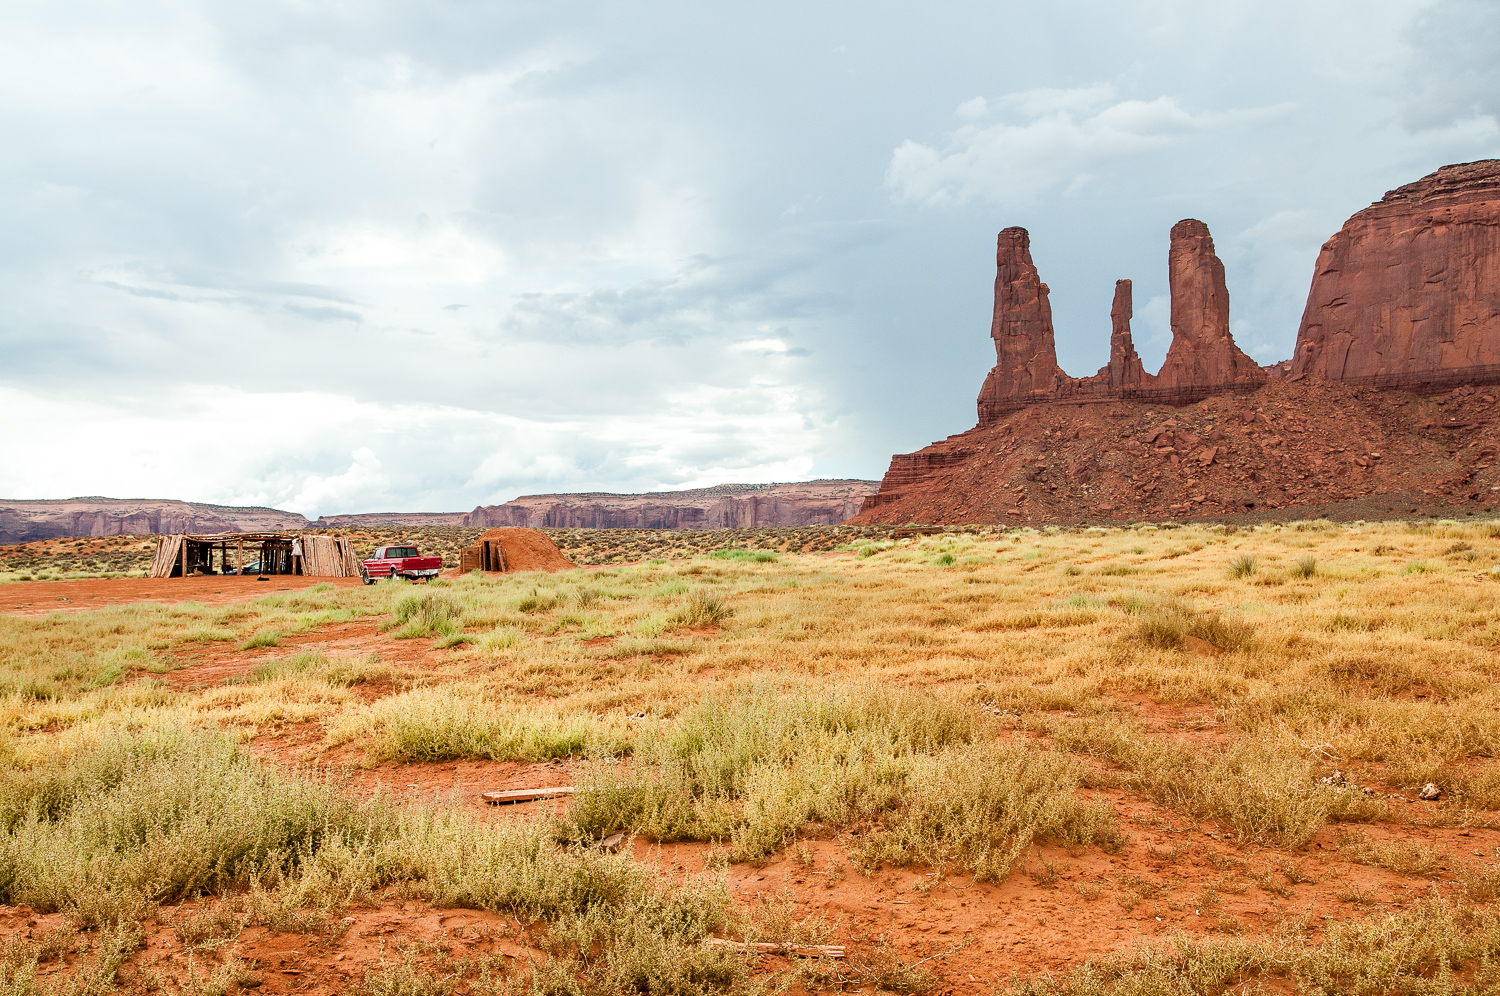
point(30, 598)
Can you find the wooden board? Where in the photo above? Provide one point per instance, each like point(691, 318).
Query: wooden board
point(526, 795)
point(168, 551)
point(795, 950)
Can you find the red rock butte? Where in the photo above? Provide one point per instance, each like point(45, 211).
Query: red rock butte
point(1407, 293)
point(1405, 299)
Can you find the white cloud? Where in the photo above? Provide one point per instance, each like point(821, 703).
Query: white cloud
point(1061, 139)
point(363, 481)
point(244, 447)
point(760, 346)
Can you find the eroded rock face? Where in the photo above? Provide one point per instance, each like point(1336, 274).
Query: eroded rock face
point(1407, 293)
point(1025, 352)
point(24, 521)
point(1203, 353)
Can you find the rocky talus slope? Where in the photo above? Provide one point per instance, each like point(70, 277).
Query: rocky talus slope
point(1322, 448)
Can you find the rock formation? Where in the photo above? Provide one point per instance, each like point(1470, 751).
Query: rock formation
point(23, 521)
point(1203, 359)
point(389, 520)
point(1407, 293)
point(1124, 371)
point(1203, 356)
point(1025, 354)
point(727, 506)
point(1292, 449)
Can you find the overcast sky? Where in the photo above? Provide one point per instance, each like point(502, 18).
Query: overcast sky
point(346, 257)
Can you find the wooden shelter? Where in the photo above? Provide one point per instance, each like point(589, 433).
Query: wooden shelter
point(184, 554)
point(486, 555)
point(513, 548)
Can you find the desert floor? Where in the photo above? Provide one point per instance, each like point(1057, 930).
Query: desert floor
point(1176, 759)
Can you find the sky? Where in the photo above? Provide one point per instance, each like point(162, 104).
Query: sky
point(381, 256)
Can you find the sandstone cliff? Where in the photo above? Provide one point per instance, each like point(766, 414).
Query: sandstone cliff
point(1025, 353)
point(1124, 371)
point(1407, 293)
point(22, 521)
point(727, 506)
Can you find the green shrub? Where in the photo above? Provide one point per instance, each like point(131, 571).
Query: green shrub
point(752, 556)
point(443, 724)
point(703, 608)
point(265, 638)
point(1242, 566)
point(1166, 623)
point(426, 613)
point(535, 602)
point(1306, 566)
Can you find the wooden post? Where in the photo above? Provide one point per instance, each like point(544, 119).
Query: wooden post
point(184, 556)
point(239, 557)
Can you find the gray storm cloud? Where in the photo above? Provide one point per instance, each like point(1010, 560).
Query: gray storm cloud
point(424, 256)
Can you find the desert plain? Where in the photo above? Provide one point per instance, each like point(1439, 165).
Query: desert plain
point(1146, 758)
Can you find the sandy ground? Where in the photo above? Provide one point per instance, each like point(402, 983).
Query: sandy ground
point(30, 598)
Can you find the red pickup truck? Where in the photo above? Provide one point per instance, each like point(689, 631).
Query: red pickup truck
point(400, 562)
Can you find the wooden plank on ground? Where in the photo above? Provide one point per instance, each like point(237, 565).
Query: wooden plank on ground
point(526, 795)
point(786, 948)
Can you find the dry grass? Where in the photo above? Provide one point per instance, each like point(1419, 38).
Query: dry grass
point(947, 701)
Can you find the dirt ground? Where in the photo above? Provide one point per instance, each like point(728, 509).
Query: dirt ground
point(31, 598)
point(1173, 877)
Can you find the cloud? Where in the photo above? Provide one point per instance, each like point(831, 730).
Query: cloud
point(1054, 138)
point(1454, 71)
point(428, 256)
point(363, 481)
point(263, 448)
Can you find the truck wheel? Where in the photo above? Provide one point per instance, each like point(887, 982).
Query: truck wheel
point(364, 576)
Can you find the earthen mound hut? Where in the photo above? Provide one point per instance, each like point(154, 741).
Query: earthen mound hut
point(511, 548)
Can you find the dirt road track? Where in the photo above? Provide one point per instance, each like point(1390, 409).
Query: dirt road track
point(33, 598)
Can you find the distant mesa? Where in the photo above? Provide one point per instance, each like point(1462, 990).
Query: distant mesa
point(1405, 296)
point(726, 506)
point(389, 520)
point(24, 521)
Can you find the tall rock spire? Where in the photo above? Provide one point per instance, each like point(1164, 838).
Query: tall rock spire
point(1025, 353)
point(1203, 353)
point(1125, 370)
